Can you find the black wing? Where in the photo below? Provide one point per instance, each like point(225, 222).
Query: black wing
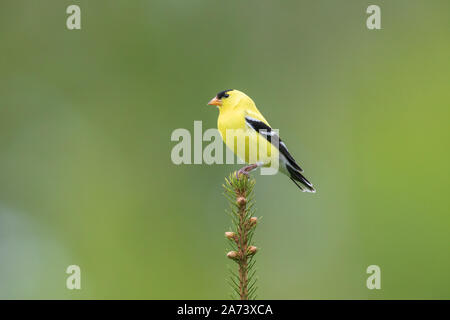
point(266, 131)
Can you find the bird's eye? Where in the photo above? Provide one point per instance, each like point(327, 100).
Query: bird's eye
point(223, 94)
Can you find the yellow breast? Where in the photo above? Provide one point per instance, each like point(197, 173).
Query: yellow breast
point(230, 121)
point(243, 141)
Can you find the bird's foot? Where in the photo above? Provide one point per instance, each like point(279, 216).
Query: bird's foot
point(246, 170)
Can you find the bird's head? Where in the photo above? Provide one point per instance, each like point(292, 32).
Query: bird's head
point(228, 99)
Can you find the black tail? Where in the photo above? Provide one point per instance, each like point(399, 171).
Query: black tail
point(300, 180)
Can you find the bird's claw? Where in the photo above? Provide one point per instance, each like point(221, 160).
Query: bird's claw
point(242, 172)
point(246, 170)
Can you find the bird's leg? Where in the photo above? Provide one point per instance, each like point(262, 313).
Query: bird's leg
point(246, 170)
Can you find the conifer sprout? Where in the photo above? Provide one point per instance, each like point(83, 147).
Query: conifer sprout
point(239, 192)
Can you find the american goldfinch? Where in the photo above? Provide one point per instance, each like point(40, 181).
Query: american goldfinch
point(238, 114)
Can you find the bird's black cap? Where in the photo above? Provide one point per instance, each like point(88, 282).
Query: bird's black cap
point(223, 93)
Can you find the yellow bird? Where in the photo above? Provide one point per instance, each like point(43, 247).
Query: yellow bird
point(248, 134)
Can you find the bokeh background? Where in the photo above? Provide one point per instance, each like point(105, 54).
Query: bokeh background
point(85, 124)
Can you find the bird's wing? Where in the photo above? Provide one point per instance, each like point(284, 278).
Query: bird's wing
point(262, 127)
point(255, 114)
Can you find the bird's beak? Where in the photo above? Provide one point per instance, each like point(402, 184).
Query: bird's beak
point(215, 102)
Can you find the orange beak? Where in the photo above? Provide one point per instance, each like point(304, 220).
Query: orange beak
point(215, 102)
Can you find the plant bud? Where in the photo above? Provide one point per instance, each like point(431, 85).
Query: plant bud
point(253, 220)
point(230, 235)
point(241, 201)
point(252, 250)
point(232, 255)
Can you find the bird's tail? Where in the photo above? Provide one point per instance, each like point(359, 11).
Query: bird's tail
point(300, 180)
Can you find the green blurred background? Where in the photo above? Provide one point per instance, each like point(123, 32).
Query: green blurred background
point(85, 124)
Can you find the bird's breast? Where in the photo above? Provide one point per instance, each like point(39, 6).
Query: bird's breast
point(230, 121)
point(246, 143)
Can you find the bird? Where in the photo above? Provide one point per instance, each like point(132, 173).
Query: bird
point(238, 114)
